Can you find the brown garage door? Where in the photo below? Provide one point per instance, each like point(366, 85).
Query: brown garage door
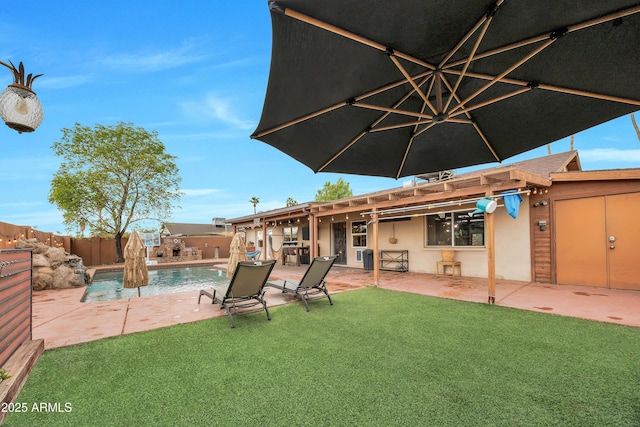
point(598, 241)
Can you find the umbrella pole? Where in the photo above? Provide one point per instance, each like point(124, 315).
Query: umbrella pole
point(491, 257)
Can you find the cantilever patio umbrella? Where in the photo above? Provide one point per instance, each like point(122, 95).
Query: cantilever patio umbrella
point(403, 87)
point(135, 272)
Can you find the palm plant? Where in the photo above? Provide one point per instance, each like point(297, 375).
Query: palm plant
point(254, 201)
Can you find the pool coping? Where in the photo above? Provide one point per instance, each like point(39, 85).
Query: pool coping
point(91, 271)
point(164, 266)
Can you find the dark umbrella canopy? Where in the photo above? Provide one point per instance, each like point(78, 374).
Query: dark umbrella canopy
point(403, 87)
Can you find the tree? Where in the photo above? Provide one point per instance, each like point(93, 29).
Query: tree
point(111, 177)
point(254, 201)
point(291, 202)
point(335, 191)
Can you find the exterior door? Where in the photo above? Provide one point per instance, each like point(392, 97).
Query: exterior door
point(596, 242)
point(623, 228)
point(340, 241)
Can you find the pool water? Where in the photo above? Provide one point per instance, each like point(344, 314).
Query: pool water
point(107, 285)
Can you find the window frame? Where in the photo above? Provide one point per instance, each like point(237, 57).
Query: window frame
point(364, 234)
point(291, 235)
point(456, 233)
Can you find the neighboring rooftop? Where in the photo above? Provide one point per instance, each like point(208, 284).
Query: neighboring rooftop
point(543, 166)
point(186, 229)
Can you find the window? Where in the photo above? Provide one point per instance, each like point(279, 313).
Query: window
point(455, 229)
point(259, 238)
point(359, 234)
point(290, 235)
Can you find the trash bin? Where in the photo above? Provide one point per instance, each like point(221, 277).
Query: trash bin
point(367, 259)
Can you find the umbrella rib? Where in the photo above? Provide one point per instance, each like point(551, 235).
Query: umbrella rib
point(412, 82)
point(373, 127)
point(603, 19)
point(475, 125)
point(488, 15)
point(486, 141)
point(299, 120)
point(589, 94)
point(421, 131)
point(418, 123)
point(541, 37)
point(487, 22)
point(339, 153)
point(503, 74)
point(426, 74)
point(375, 123)
point(398, 126)
point(336, 106)
point(489, 102)
point(348, 34)
point(554, 88)
point(406, 151)
point(446, 82)
point(392, 110)
point(462, 42)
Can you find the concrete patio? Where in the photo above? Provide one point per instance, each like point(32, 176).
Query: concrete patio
point(61, 319)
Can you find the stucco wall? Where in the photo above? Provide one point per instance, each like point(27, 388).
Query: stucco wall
point(512, 244)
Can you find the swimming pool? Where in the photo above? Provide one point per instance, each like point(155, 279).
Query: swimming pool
point(107, 285)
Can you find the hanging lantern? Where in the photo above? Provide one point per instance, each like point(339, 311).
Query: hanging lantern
point(19, 106)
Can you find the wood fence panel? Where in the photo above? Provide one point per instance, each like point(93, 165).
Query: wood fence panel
point(15, 301)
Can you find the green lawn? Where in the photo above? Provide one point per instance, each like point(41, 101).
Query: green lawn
point(376, 357)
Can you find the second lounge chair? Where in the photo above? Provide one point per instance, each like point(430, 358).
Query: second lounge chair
point(246, 288)
point(311, 284)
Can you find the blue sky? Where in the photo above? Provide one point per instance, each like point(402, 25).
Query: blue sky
point(195, 72)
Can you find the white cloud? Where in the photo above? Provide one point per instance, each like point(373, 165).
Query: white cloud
point(216, 108)
point(46, 220)
point(62, 82)
point(232, 64)
point(610, 155)
point(153, 61)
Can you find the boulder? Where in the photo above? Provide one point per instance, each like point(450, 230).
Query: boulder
point(64, 277)
point(39, 260)
point(56, 257)
point(42, 279)
point(53, 268)
point(33, 244)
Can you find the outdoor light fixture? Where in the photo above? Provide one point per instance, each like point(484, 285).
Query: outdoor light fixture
point(19, 106)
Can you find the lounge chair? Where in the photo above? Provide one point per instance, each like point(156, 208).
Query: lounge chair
point(246, 288)
point(311, 284)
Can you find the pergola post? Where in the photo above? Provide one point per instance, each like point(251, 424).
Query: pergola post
point(264, 240)
point(376, 252)
point(491, 256)
point(313, 238)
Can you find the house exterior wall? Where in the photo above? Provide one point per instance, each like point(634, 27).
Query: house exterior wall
point(277, 236)
point(513, 247)
point(543, 243)
point(513, 244)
